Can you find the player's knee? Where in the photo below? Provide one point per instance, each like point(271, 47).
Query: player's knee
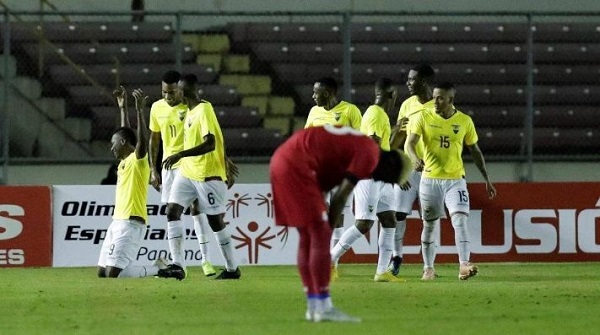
point(216, 222)
point(364, 226)
point(400, 216)
point(459, 220)
point(101, 272)
point(195, 207)
point(112, 272)
point(174, 212)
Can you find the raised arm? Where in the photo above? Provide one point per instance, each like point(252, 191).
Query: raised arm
point(141, 148)
point(479, 161)
point(121, 95)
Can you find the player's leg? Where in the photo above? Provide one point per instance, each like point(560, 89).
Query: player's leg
point(457, 202)
point(104, 251)
point(201, 229)
point(320, 233)
point(366, 196)
point(404, 200)
point(126, 240)
point(182, 194)
point(211, 200)
point(432, 207)
point(387, 218)
point(338, 227)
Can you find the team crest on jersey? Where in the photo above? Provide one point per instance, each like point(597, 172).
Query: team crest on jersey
point(337, 116)
point(455, 128)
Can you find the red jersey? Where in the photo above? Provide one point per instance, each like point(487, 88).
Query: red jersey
point(333, 153)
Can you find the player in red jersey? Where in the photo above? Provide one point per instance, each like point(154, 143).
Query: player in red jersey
point(311, 162)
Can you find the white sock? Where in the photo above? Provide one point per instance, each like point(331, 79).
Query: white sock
point(336, 234)
point(461, 237)
point(226, 246)
point(176, 235)
point(386, 243)
point(350, 235)
point(399, 237)
point(428, 243)
point(200, 224)
point(136, 271)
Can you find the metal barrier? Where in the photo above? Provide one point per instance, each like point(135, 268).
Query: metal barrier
point(527, 79)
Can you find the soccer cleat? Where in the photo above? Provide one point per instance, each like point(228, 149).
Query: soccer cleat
point(229, 274)
point(394, 266)
point(208, 269)
point(467, 271)
point(387, 277)
point(334, 315)
point(428, 274)
point(309, 315)
point(172, 271)
point(334, 273)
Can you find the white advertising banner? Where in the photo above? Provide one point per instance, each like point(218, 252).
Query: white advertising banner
point(82, 214)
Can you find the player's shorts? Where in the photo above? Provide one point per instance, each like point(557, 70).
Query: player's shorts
point(406, 199)
point(435, 192)
point(211, 194)
point(347, 208)
point(297, 198)
point(167, 177)
point(372, 197)
point(121, 244)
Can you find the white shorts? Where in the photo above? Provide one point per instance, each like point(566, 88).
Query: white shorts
point(347, 208)
point(122, 243)
point(167, 177)
point(406, 199)
point(211, 195)
point(372, 197)
point(435, 192)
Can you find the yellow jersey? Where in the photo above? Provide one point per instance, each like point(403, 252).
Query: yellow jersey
point(342, 114)
point(168, 121)
point(377, 122)
point(443, 142)
point(200, 122)
point(409, 108)
point(131, 193)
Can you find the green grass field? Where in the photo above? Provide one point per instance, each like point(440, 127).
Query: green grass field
point(504, 299)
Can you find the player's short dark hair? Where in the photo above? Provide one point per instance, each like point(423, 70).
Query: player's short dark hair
point(445, 85)
point(425, 71)
point(171, 77)
point(329, 83)
point(189, 79)
point(384, 84)
point(128, 134)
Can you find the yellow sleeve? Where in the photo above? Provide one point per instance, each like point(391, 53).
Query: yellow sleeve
point(355, 117)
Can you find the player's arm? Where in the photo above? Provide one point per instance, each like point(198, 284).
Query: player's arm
point(399, 134)
point(418, 163)
point(339, 199)
point(121, 95)
point(479, 161)
point(153, 144)
point(376, 138)
point(141, 148)
point(205, 147)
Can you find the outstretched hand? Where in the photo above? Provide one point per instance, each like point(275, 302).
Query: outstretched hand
point(491, 190)
point(171, 160)
point(140, 99)
point(121, 95)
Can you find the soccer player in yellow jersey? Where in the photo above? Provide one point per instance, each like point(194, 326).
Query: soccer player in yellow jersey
point(125, 233)
point(419, 81)
point(328, 110)
point(202, 174)
point(374, 200)
point(444, 131)
point(167, 117)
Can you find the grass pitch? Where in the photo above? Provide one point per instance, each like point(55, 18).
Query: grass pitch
point(504, 299)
